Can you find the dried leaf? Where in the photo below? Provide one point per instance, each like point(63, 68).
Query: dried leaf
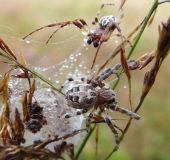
point(3, 129)
point(124, 64)
point(10, 130)
point(136, 29)
point(70, 150)
point(25, 107)
point(19, 128)
point(164, 41)
point(4, 84)
point(121, 4)
point(153, 16)
point(127, 72)
point(23, 59)
point(161, 52)
point(22, 75)
point(143, 60)
point(6, 49)
point(32, 89)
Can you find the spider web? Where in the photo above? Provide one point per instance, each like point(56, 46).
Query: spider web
point(64, 57)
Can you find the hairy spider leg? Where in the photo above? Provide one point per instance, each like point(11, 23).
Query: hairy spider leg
point(80, 23)
point(78, 112)
point(105, 37)
point(116, 25)
point(115, 107)
point(105, 74)
point(70, 79)
point(97, 80)
point(113, 129)
point(95, 19)
point(94, 60)
point(66, 82)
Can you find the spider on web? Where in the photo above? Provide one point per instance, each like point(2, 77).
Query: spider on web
point(93, 94)
point(102, 32)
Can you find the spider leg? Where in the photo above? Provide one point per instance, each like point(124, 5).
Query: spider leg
point(96, 80)
point(90, 116)
point(115, 107)
point(70, 79)
point(66, 82)
point(67, 115)
point(119, 30)
point(53, 34)
point(84, 28)
point(125, 39)
point(80, 23)
point(95, 19)
point(113, 129)
point(94, 60)
point(105, 37)
point(100, 119)
point(47, 26)
point(122, 14)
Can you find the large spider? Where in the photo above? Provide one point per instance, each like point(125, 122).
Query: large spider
point(102, 33)
point(93, 94)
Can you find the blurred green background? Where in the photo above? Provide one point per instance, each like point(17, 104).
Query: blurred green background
point(146, 139)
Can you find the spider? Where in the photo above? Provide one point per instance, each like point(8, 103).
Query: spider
point(102, 33)
point(94, 95)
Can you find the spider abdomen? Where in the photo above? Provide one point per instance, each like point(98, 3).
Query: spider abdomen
point(104, 21)
point(81, 96)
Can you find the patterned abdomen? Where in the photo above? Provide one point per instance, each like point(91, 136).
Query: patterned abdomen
point(82, 96)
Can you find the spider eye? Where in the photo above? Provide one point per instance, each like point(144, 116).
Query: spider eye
point(95, 44)
point(104, 21)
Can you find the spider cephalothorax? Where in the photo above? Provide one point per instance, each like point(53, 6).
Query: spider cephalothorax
point(93, 95)
point(101, 33)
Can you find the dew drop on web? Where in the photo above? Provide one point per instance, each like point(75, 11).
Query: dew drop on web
point(116, 41)
point(27, 40)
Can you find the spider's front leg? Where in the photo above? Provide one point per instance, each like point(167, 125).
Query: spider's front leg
point(79, 23)
point(97, 80)
point(105, 36)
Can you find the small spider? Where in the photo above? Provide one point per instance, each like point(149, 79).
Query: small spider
point(102, 33)
point(94, 95)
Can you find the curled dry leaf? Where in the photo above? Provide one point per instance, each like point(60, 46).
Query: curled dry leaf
point(161, 52)
point(23, 59)
point(6, 49)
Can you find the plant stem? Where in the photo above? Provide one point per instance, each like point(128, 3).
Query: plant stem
point(84, 142)
point(154, 6)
